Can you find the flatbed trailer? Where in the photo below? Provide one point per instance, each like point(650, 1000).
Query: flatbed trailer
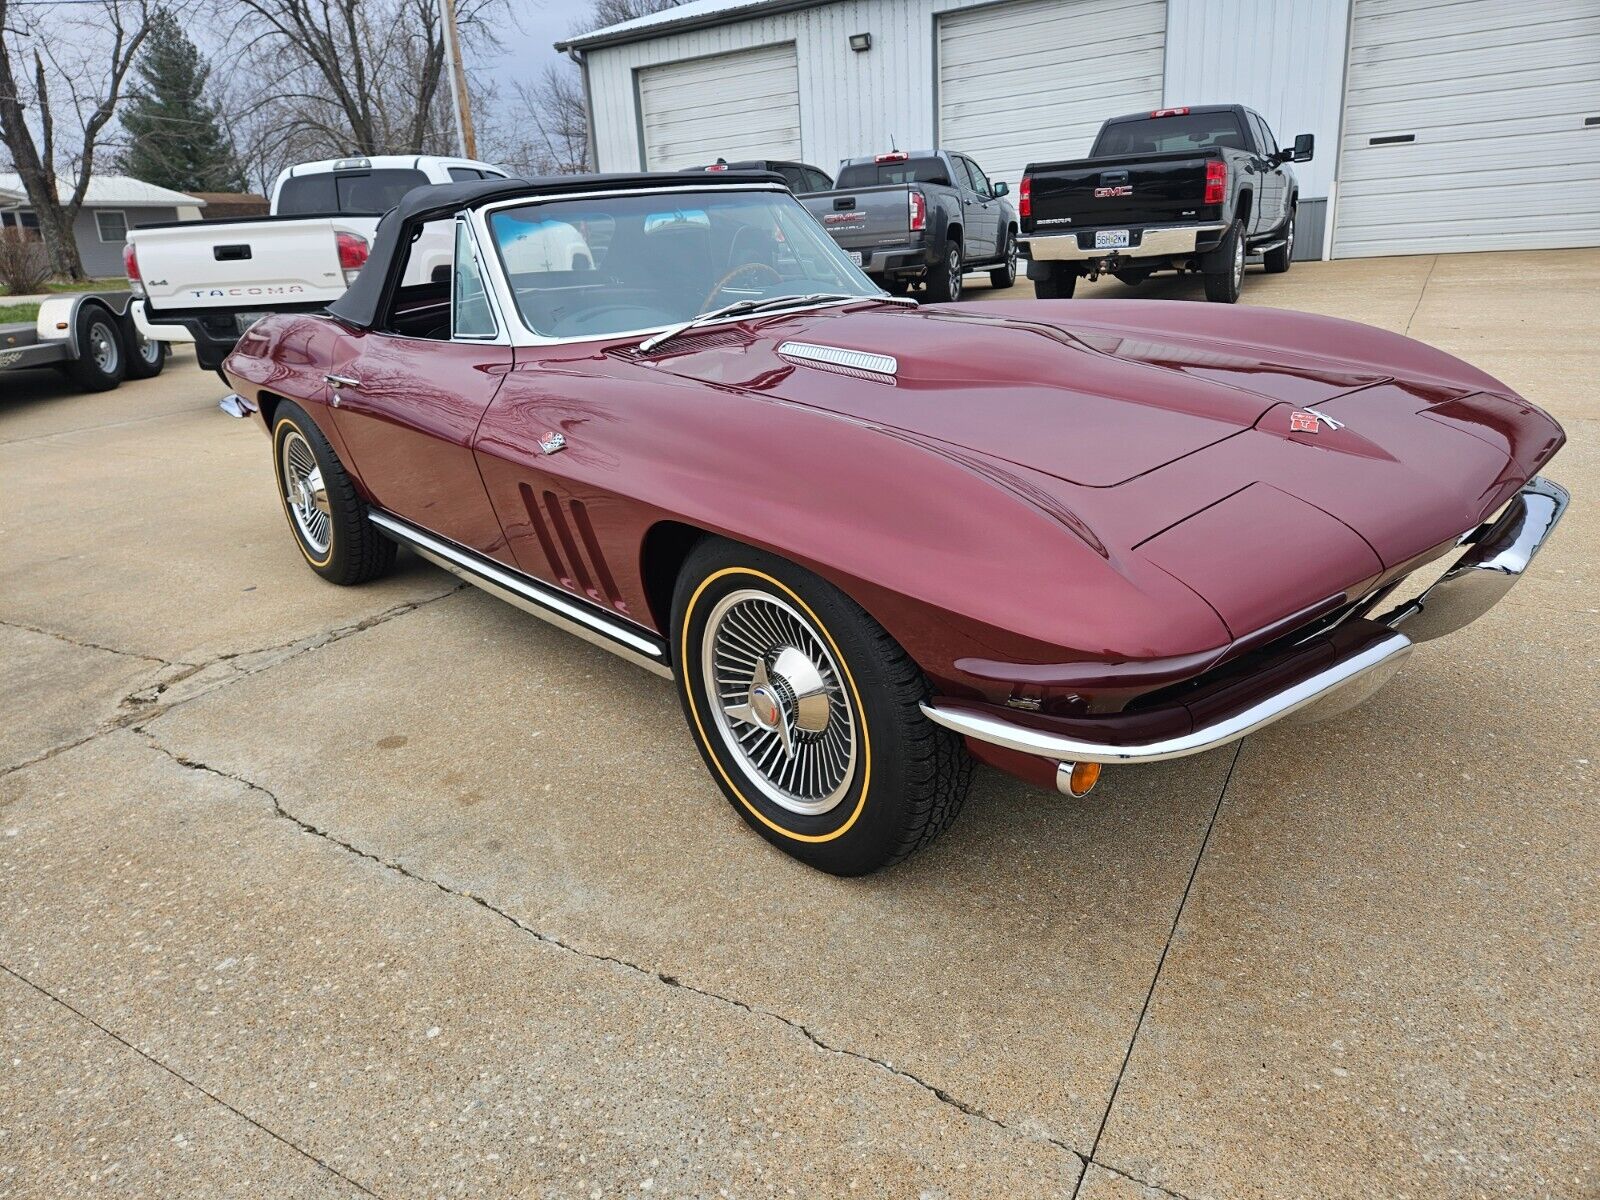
point(89, 336)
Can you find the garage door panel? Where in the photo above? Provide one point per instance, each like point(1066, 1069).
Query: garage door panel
point(1016, 86)
point(1495, 95)
point(742, 105)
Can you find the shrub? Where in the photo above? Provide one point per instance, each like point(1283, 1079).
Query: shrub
point(24, 265)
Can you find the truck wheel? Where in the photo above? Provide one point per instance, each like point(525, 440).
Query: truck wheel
point(1059, 286)
point(101, 363)
point(1277, 261)
point(1005, 276)
point(1224, 267)
point(944, 280)
point(896, 286)
point(325, 513)
point(808, 714)
point(146, 359)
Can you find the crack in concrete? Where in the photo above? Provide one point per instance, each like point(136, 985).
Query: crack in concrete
point(146, 701)
point(187, 1082)
point(549, 939)
point(1144, 1183)
point(1417, 307)
point(1155, 978)
point(85, 644)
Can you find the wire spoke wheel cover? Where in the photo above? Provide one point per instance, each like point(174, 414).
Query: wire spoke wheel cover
point(778, 700)
point(304, 491)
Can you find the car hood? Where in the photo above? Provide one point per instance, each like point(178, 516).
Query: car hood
point(1094, 407)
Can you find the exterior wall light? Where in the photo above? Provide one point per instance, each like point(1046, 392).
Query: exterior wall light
point(860, 42)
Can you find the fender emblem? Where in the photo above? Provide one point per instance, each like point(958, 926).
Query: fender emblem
point(551, 442)
point(1307, 420)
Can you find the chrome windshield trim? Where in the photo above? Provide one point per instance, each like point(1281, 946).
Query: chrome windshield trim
point(839, 356)
point(519, 332)
point(634, 643)
point(1371, 666)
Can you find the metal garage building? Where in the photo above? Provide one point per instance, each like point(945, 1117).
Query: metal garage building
point(1440, 124)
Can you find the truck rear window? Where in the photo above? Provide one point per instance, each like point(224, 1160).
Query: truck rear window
point(912, 170)
point(353, 193)
point(1159, 135)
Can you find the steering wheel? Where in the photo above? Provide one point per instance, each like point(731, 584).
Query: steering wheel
point(741, 269)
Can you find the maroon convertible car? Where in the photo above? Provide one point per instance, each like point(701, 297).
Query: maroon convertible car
point(871, 541)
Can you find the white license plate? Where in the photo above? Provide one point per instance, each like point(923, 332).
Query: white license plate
point(855, 257)
point(1110, 239)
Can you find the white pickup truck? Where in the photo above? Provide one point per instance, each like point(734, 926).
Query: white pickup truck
point(206, 281)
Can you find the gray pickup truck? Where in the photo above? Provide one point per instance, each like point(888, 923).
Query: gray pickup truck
point(920, 216)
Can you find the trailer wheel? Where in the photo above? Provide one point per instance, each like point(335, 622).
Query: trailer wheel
point(146, 359)
point(101, 363)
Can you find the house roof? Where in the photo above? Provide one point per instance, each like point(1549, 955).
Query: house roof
point(696, 14)
point(113, 191)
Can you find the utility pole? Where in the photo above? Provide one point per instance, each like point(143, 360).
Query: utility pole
point(458, 81)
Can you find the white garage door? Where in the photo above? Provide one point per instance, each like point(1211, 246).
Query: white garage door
point(1032, 81)
point(733, 106)
point(1464, 127)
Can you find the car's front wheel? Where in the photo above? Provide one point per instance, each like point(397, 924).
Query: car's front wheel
point(944, 279)
point(325, 512)
point(808, 713)
point(1277, 260)
point(1005, 275)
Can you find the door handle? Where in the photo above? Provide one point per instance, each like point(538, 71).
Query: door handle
point(340, 381)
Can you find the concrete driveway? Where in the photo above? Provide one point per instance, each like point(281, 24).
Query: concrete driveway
point(393, 891)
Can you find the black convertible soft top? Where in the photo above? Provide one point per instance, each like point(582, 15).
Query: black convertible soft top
point(363, 301)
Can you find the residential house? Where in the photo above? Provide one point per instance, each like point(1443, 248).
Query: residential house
point(112, 205)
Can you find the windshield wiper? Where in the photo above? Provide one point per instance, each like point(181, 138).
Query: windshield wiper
point(751, 306)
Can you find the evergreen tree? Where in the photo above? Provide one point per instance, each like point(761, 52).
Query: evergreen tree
point(175, 140)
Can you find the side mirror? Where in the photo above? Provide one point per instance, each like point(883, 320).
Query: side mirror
point(1002, 188)
point(1304, 146)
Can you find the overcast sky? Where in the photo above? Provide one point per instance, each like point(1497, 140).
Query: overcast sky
point(526, 43)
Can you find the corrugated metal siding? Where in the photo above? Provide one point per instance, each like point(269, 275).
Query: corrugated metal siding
point(1015, 85)
point(1496, 96)
point(747, 105)
point(1284, 59)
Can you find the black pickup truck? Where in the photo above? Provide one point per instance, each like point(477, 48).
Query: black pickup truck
point(1187, 189)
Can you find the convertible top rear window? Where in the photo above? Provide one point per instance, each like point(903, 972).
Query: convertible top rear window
point(588, 267)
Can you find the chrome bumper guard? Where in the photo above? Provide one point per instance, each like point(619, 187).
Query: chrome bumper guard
point(1498, 555)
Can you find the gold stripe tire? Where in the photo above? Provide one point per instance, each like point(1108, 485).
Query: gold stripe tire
point(355, 551)
point(905, 778)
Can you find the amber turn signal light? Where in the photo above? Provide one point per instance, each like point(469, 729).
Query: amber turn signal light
point(1075, 779)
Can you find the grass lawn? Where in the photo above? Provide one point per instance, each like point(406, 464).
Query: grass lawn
point(10, 314)
point(115, 283)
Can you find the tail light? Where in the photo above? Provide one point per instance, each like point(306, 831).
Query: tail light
point(352, 254)
point(892, 156)
point(1216, 182)
point(130, 264)
point(1170, 112)
point(917, 212)
point(1025, 198)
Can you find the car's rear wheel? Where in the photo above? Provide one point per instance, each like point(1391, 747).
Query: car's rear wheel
point(1059, 286)
point(1223, 267)
point(101, 363)
point(944, 279)
point(808, 713)
point(1005, 275)
point(1277, 261)
point(325, 512)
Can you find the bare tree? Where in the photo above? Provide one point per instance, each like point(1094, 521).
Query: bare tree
point(614, 12)
point(352, 76)
point(544, 130)
point(63, 75)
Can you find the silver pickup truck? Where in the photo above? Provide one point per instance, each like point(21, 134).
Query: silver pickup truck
point(925, 217)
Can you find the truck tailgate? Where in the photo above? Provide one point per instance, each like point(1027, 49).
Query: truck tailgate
point(860, 218)
point(240, 264)
point(1123, 190)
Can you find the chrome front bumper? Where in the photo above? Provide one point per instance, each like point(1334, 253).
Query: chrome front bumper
point(1497, 555)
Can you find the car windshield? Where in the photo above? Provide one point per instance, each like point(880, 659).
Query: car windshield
point(1158, 135)
point(626, 264)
